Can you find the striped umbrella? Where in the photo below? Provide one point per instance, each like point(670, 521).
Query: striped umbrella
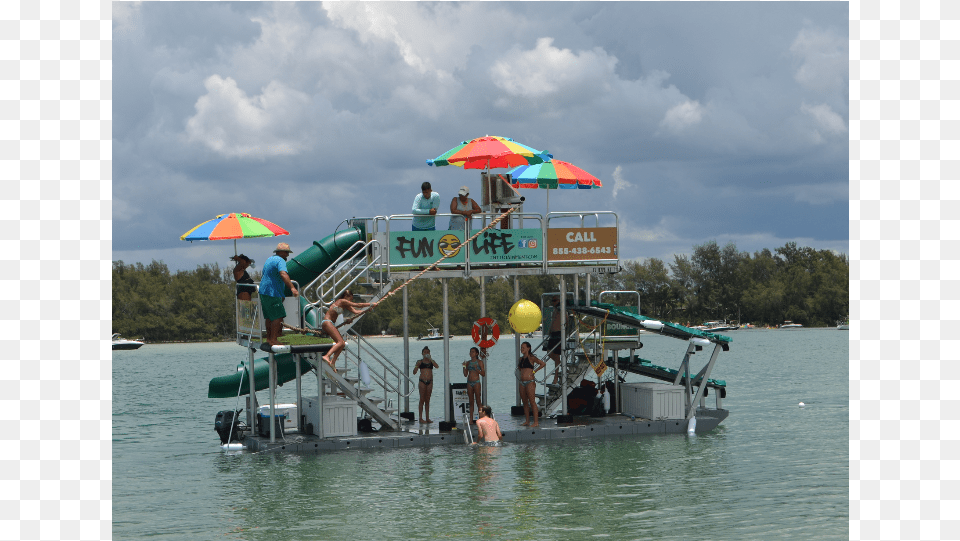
point(490, 152)
point(552, 175)
point(236, 225)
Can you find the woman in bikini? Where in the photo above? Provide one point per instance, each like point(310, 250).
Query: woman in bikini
point(425, 366)
point(473, 370)
point(343, 302)
point(528, 364)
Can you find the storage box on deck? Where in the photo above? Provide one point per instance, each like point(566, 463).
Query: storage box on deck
point(263, 425)
point(339, 416)
point(652, 400)
point(287, 410)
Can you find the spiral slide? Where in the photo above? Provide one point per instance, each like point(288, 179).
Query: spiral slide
point(303, 269)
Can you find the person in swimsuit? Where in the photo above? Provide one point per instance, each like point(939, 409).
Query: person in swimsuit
point(244, 282)
point(473, 370)
point(425, 366)
point(487, 428)
point(343, 302)
point(528, 364)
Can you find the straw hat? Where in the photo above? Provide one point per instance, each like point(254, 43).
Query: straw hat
point(283, 247)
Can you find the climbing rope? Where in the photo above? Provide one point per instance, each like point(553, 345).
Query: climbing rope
point(433, 266)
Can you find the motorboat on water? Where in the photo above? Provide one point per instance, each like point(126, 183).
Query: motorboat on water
point(791, 325)
point(716, 326)
point(843, 325)
point(433, 334)
point(121, 343)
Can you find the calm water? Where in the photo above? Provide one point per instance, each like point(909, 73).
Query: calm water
point(772, 470)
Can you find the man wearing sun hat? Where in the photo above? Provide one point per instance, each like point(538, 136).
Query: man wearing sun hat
point(271, 291)
point(462, 208)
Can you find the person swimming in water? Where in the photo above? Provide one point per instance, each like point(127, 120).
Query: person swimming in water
point(488, 430)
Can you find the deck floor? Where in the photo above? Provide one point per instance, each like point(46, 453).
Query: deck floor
point(414, 434)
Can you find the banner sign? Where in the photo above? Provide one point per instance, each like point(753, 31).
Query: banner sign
point(425, 247)
point(582, 244)
point(421, 248)
point(506, 246)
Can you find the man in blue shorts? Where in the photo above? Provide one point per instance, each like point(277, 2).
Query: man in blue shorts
point(271, 291)
point(425, 206)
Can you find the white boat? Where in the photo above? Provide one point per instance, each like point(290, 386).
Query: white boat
point(716, 326)
point(121, 343)
point(433, 334)
point(791, 325)
point(843, 325)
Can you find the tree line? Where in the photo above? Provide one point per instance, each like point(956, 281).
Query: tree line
point(793, 283)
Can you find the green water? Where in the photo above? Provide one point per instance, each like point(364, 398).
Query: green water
point(772, 470)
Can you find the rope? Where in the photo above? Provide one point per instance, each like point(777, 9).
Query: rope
point(433, 266)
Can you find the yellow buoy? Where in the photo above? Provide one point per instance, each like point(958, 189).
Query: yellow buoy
point(524, 316)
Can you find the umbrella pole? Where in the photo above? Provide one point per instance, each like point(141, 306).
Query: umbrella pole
point(235, 241)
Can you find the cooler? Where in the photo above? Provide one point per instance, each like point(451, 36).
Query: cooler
point(339, 416)
point(652, 400)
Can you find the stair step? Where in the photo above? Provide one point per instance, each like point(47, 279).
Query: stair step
point(374, 399)
point(363, 392)
point(389, 411)
point(351, 379)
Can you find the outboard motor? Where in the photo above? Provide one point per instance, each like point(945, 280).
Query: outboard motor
point(227, 426)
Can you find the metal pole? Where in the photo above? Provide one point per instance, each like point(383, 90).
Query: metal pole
point(252, 410)
point(406, 354)
point(483, 313)
point(516, 335)
point(588, 288)
point(447, 410)
point(563, 344)
point(320, 392)
point(296, 359)
point(273, 397)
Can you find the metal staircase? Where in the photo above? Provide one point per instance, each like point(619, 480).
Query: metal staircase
point(359, 269)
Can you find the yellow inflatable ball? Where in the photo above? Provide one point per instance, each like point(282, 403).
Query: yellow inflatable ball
point(524, 316)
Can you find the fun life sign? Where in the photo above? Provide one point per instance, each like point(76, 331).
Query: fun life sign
point(492, 246)
point(581, 244)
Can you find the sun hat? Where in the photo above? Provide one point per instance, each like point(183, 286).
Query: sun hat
point(464, 190)
point(283, 247)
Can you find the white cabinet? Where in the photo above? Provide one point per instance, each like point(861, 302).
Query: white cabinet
point(653, 400)
point(339, 416)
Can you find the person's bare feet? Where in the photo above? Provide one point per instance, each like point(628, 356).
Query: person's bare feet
point(328, 361)
point(525, 423)
point(429, 421)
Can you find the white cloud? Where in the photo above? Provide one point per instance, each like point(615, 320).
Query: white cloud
point(127, 21)
point(619, 183)
point(827, 121)
point(682, 116)
point(824, 57)
point(233, 124)
point(546, 70)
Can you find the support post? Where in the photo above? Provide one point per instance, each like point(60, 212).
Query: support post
point(563, 345)
point(321, 390)
point(516, 339)
point(483, 313)
point(296, 360)
point(252, 410)
point(406, 354)
point(447, 411)
point(273, 397)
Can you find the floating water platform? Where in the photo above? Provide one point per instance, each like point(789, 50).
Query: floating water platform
point(414, 434)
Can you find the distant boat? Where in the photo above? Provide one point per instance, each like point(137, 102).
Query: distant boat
point(748, 326)
point(120, 343)
point(843, 325)
point(791, 325)
point(716, 326)
point(433, 334)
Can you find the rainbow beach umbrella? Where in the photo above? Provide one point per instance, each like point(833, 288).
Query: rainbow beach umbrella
point(490, 152)
point(552, 175)
point(236, 225)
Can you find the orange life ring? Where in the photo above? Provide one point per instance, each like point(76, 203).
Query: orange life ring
point(479, 332)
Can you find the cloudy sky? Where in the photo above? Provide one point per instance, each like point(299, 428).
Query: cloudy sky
point(705, 121)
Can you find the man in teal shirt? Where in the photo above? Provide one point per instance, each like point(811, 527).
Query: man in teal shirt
point(425, 207)
point(271, 291)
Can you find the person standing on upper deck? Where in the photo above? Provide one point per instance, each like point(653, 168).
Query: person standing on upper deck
point(271, 291)
point(462, 207)
point(425, 206)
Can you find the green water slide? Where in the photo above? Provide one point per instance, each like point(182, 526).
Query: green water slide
point(303, 269)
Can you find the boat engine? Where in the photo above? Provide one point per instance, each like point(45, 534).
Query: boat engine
point(228, 426)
